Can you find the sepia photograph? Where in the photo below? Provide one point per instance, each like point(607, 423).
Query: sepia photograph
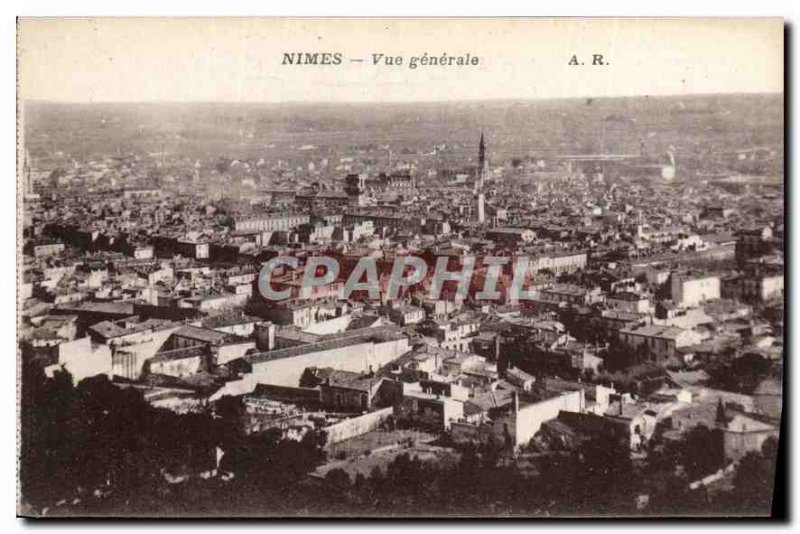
point(400, 267)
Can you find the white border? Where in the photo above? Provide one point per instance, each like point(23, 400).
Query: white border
point(675, 8)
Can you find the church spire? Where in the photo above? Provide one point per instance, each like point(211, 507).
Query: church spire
point(481, 154)
point(479, 180)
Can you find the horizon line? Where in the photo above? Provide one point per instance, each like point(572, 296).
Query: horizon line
point(385, 102)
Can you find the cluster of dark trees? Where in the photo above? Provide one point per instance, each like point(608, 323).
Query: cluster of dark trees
point(594, 480)
point(598, 478)
point(93, 439)
point(754, 484)
point(98, 449)
point(698, 455)
point(742, 374)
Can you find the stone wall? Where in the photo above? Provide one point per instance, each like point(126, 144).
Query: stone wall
point(355, 426)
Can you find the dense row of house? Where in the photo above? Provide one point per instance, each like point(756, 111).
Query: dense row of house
point(625, 306)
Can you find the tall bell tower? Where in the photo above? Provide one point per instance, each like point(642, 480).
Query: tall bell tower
point(479, 179)
point(481, 159)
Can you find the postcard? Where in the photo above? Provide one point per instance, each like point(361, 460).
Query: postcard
point(400, 267)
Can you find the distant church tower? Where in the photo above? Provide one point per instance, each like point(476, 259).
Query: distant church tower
point(481, 162)
point(479, 179)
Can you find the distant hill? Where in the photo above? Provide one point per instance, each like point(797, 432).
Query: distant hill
point(692, 124)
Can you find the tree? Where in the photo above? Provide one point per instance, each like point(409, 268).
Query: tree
point(769, 449)
point(742, 375)
point(753, 484)
point(98, 435)
point(231, 412)
point(338, 479)
point(604, 477)
point(701, 452)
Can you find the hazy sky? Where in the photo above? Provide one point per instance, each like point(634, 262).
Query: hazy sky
point(127, 60)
